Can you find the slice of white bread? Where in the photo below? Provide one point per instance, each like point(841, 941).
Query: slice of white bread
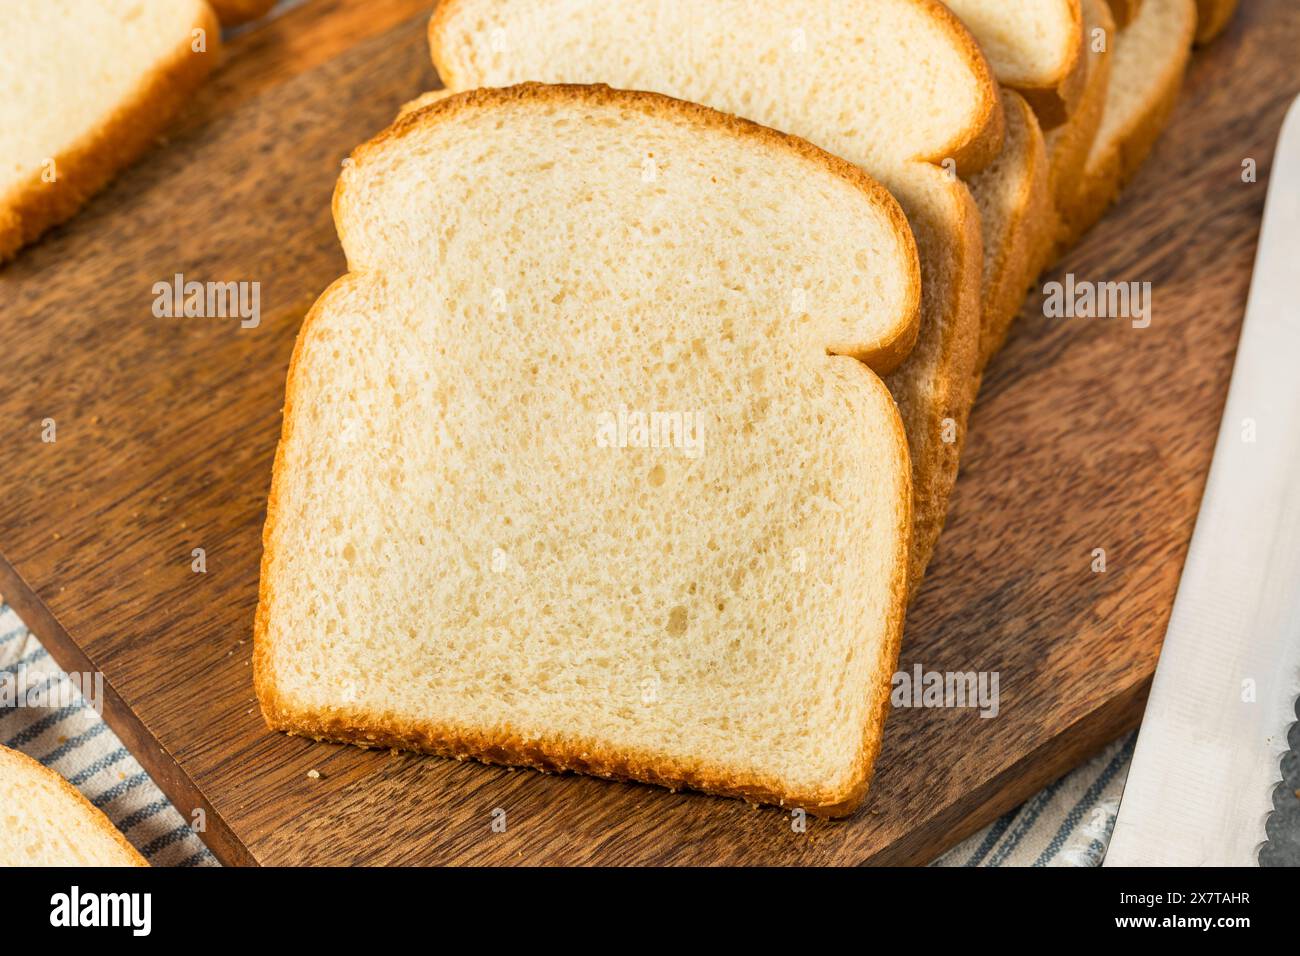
point(1016, 215)
point(1124, 11)
point(85, 88)
point(894, 86)
point(232, 12)
point(1149, 60)
point(1032, 45)
point(1018, 219)
point(45, 821)
point(456, 562)
point(1068, 145)
point(1035, 47)
point(1212, 18)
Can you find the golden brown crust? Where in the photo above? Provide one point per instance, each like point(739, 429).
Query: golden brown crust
point(1212, 18)
point(959, 258)
point(1027, 232)
point(978, 145)
point(36, 206)
point(1068, 145)
point(1111, 165)
point(884, 356)
point(434, 32)
point(232, 12)
point(421, 101)
point(94, 815)
point(1054, 103)
point(584, 756)
point(899, 594)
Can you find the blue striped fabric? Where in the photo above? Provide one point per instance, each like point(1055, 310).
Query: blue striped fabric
point(1067, 824)
point(53, 722)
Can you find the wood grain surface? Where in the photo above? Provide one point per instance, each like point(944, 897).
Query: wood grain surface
point(1088, 434)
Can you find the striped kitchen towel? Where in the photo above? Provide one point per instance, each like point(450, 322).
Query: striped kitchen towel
point(45, 714)
point(1067, 824)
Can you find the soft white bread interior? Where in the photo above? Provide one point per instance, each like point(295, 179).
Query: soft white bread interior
point(85, 87)
point(893, 86)
point(465, 550)
point(1148, 62)
point(1018, 219)
point(1035, 47)
point(44, 821)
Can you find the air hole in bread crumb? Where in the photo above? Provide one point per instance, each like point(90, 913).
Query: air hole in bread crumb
point(657, 476)
point(677, 621)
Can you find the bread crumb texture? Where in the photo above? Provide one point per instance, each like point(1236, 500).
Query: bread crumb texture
point(44, 821)
point(895, 87)
point(470, 547)
point(85, 87)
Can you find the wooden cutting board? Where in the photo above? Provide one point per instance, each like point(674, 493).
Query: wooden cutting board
point(1088, 434)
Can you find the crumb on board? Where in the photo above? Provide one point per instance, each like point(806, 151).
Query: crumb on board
point(314, 774)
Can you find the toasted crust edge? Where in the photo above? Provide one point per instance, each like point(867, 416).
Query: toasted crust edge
point(1068, 145)
point(34, 207)
point(93, 814)
point(1055, 101)
point(935, 463)
point(369, 730)
point(1030, 229)
point(973, 148)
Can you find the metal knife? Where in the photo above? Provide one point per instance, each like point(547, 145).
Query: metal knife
point(1207, 758)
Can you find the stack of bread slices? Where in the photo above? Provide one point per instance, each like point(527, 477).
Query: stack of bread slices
point(630, 432)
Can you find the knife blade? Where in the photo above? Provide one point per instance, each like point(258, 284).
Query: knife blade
point(1200, 785)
